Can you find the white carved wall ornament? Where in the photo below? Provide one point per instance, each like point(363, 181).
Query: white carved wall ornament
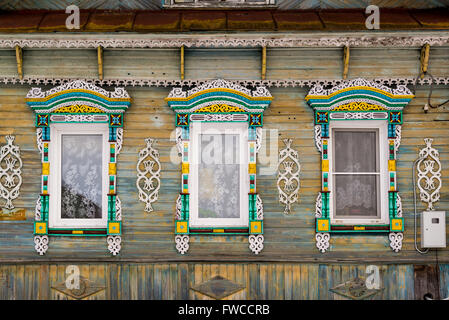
point(79, 118)
point(258, 138)
point(114, 244)
point(37, 209)
point(397, 140)
point(256, 243)
point(182, 243)
point(119, 141)
point(39, 141)
point(244, 40)
point(396, 240)
point(148, 174)
point(179, 144)
point(144, 82)
point(318, 142)
point(398, 205)
point(429, 174)
point(74, 85)
point(288, 176)
point(178, 208)
point(318, 204)
point(259, 208)
point(219, 117)
point(118, 209)
point(322, 241)
point(10, 172)
point(358, 115)
point(41, 244)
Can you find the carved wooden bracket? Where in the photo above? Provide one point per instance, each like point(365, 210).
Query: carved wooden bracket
point(346, 54)
point(19, 59)
point(182, 63)
point(100, 62)
point(264, 63)
point(425, 53)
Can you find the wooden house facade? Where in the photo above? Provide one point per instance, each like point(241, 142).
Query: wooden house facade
point(284, 76)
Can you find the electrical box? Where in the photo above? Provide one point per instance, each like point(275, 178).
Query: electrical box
point(433, 229)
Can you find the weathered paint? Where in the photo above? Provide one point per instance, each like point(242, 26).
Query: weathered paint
point(148, 265)
point(149, 237)
point(274, 281)
point(157, 4)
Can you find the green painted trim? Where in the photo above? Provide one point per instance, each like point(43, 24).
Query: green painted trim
point(358, 231)
point(220, 233)
point(78, 98)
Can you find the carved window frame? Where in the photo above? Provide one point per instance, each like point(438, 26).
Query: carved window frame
point(355, 101)
point(225, 102)
point(54, 184)
point(83, 105)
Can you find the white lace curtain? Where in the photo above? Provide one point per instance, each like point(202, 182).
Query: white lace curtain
point(219, 176)
point(81, 172)
point(355, 152)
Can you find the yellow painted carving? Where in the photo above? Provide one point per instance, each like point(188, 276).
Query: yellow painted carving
point(112, 169)
point(185, 167)
point(323, 225)
point(78, 109)
point(252, 168)
point(40, 228)
point(325, 165)
point(391, 165)
point(358, 106)
point(114, 227)
point(396, 224)
point(256, 227)
point(46, 168)
point(219, 108)
point(181, 226)
point(218, 230)
point(14, 215)
point(77, 232)
point(359, 228)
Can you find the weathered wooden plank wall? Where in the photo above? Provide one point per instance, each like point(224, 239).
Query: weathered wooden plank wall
point(278, 281)
point(149, 237)
point(282, 63)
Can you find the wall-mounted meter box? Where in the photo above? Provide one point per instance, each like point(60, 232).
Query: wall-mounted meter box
point(433, 229)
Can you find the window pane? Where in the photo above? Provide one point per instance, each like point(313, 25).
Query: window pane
point(81, 172)
point(219, 176)
point(355, 151)
point(356, 195)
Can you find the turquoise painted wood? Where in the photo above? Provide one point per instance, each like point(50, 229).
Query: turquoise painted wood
point(150, 237)
point(274, 281)
point(290, 266)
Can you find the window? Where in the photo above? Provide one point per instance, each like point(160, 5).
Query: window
point(219, 185)
point(218, 135)
point(79, 180)
point(358, 172)
point(358, 126)
point(79, 135)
